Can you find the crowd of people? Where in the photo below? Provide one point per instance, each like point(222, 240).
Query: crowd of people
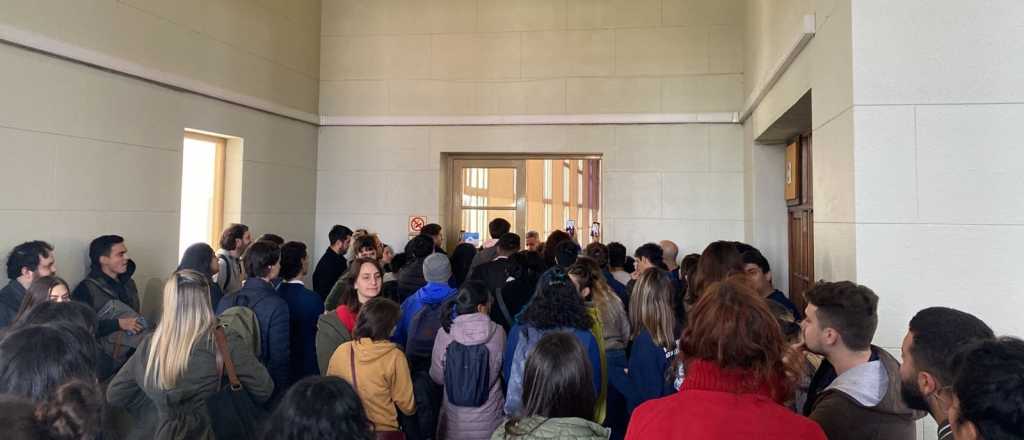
point(513, 339)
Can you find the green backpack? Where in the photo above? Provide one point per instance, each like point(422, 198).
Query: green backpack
point(241, 320)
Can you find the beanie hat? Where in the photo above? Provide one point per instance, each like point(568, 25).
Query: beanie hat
point(437, 269)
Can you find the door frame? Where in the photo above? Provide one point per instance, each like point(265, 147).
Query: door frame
point(451, 179)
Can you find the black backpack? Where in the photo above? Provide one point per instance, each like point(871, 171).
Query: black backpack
point(467, 374)
point(422, 331)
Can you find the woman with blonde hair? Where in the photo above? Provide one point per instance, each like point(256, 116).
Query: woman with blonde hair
point(654, 330)
point(177, 367)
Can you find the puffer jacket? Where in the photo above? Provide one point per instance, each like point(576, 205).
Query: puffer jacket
point(466, 422)
point(275, 328)
point(541, 428)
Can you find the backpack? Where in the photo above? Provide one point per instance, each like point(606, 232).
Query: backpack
point(241, 320)
point(227, 273)
point(422, 331)
point(467, 371)
point(528, 337)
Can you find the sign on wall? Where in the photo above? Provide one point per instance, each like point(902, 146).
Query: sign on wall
point(416, 224)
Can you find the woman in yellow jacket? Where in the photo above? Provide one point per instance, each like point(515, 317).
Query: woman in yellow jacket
point(375, 366)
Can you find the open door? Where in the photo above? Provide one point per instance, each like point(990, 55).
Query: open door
point(800, 219)
point(486, 189)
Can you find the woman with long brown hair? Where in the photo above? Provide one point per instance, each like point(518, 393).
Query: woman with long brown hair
point(739, 369)
point(360, 283)
point(44, 289)
point(718, 261)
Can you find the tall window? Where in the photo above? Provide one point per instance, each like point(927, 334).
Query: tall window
point(202, 190)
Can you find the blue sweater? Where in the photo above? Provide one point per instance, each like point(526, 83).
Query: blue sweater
point(275, 328)
point(305, 308)
point(646, 378)
point(432, 293)
point(585, 338)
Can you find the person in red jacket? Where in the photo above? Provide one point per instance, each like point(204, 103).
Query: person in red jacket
point(738, 369)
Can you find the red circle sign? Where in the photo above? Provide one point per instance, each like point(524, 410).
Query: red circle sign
point(416, 224)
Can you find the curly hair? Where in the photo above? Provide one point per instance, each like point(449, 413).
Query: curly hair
point(556, 303)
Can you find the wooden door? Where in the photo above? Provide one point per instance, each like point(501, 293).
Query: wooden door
point(801, 227)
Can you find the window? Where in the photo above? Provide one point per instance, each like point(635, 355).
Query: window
point(202, 190)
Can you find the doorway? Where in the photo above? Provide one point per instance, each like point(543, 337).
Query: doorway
point(540, 193)
point(800, 219)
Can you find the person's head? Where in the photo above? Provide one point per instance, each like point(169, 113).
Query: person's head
point(294, 260)
point(651, 308)
point(532, 240)
point(589, 280)
point(437, 269)
point(688, 268)
point(598, 252)
point(339, 237)
point(670, 253)
point(236, 237)
point(787, 322)
point(519, 266)
point(732, 327)
point(988, 390)
point(387, 254)
point(276, 239)
point(649, 255)
point(558, 379)
point(185, 318)
point(935, 335)
point(35, 360)
point(46, 289)
point(840, 316)
point(630, 265)
point(555, 238)
point(319, 408)
point(616, 255)
point(498, 227)
point(433, 230)
point(72, 313)
point(377, 319)
point(73, 413)
point(399, 261)
point(566, 253)
point(420, 246)
point(462, 259)
point(108, 254)
point(556, 303)
point(473, 297)
point(508, 244)
point(361, 283)
point(31, 260)
point(200, 258)
point(367, 246)
point(718, 261)
point(262, 259)
point(756, 267)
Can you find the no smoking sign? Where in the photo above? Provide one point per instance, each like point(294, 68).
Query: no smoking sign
point(416, 223)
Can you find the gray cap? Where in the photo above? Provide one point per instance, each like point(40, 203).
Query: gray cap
point(437, 269)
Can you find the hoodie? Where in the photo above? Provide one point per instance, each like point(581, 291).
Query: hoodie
point(382, 379)
point(432, 293)
point(864, 403)
point(467, 422)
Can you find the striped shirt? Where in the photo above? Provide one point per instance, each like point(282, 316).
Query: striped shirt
point(945, 432)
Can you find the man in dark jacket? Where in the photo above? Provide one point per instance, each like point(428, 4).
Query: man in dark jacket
point(262, 261)
point(495, 272)
point(855, 394)
point(410, 278)
point(110, 279)
point(333, 264)
point(936, 334)
point(496, 228)
point(759, 272)
point(304, 309)
point(25, 263)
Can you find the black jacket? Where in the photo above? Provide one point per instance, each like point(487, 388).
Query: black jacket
point(410, 279)
point(330, 267)
point(493, 273)
point(96, 297)
point(10, 301)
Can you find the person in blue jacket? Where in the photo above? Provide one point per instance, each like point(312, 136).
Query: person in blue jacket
point(653, 341)
point(556, 306)
point(304, 306)
point(262, 261)
point(436, 270)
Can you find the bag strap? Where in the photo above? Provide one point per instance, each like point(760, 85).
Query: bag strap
point(229, 365)
point(227, 264)
point(503, 307)
point(106, 290)
point(352, 361)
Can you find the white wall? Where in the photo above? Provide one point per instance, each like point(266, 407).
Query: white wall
point(88, 152)
point(938, 102)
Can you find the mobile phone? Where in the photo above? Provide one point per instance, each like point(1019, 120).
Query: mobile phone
point(595, 229)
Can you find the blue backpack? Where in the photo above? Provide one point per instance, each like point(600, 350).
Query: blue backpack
point(422, 331)
point(467, 370)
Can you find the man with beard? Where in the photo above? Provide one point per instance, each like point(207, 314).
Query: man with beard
point(855, 394)
point(935, 335)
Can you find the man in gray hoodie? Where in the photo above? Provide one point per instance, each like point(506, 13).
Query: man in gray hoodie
point(855, 394)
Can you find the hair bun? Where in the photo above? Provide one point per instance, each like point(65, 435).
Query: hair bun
point(74, 412)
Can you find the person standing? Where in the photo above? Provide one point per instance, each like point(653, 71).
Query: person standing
point(233, 243)
point(304, 309)
point(26, 262)
point(333, 264)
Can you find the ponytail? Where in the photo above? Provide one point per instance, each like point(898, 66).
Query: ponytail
point(471, 295)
